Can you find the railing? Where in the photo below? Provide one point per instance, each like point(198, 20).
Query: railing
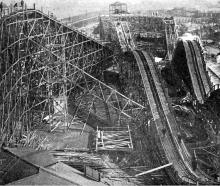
point(12, 9)
point(214, 87)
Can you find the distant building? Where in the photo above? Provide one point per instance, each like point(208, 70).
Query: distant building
point(177, 12)
point(118, 8)
point(182, 19)
point(183, 12)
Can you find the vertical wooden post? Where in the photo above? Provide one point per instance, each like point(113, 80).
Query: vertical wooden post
point(130, 137)
point(64, 85)
point(107, 112)
point(96, 145)
point(153, 170)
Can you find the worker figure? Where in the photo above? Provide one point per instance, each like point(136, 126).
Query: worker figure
point(179, 137)
point(194, 164)
point(164, 130)
point(129, 41)
point(15, 6)
point(194, 161)
point(22, 4)
point(1, 7)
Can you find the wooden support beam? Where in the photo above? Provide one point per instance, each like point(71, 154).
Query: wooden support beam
point(153, 170)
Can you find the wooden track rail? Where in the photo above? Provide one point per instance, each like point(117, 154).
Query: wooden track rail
point(168, 143)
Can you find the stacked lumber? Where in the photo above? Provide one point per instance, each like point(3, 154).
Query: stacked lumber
point(78, 159)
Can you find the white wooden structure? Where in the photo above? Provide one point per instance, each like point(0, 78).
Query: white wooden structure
point(114, 138)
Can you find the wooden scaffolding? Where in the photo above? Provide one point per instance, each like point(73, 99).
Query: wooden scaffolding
point(114, 138)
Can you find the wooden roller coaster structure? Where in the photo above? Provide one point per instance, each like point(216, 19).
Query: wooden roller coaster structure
point(42, 60)
point(171, 149)
point(149, 87)
point(48, 69)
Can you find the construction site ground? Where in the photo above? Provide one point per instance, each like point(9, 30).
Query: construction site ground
point(76, 150)
point(75, 146)
point(116, 167)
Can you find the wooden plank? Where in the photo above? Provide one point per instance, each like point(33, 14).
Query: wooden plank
point(92, 173)
point(153, 170)
point(113, 140)
point(130, 137)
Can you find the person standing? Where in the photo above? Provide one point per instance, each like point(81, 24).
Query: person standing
point(22, 4)
point(194, 161)
point(15, 5)
point(164, 130)
point(1, 7)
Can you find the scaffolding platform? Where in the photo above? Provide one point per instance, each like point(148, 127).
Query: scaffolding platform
point(113, 139)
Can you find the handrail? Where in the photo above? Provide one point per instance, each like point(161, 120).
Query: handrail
point(12, 9)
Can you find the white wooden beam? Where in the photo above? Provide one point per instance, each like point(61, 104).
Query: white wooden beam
point(153, 170)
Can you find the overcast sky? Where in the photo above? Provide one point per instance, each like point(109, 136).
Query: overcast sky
point(65, 8)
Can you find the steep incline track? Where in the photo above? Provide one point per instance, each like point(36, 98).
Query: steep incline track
point(127, 34)
point(196, 68)
point(124, 35)
point(174, 151)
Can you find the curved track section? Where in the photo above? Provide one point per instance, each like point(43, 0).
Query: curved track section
point(188, 62)
point(167, 129)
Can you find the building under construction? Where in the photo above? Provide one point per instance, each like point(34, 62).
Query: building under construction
point(157, 121)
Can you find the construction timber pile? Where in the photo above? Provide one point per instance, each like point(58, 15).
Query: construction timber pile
point(52, 75)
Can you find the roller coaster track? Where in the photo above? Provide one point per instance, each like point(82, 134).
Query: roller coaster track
point(174, 150)
point(121, 36)
point(127, 34)
point(124, 35)
point(199, 77)
point(81, 52)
